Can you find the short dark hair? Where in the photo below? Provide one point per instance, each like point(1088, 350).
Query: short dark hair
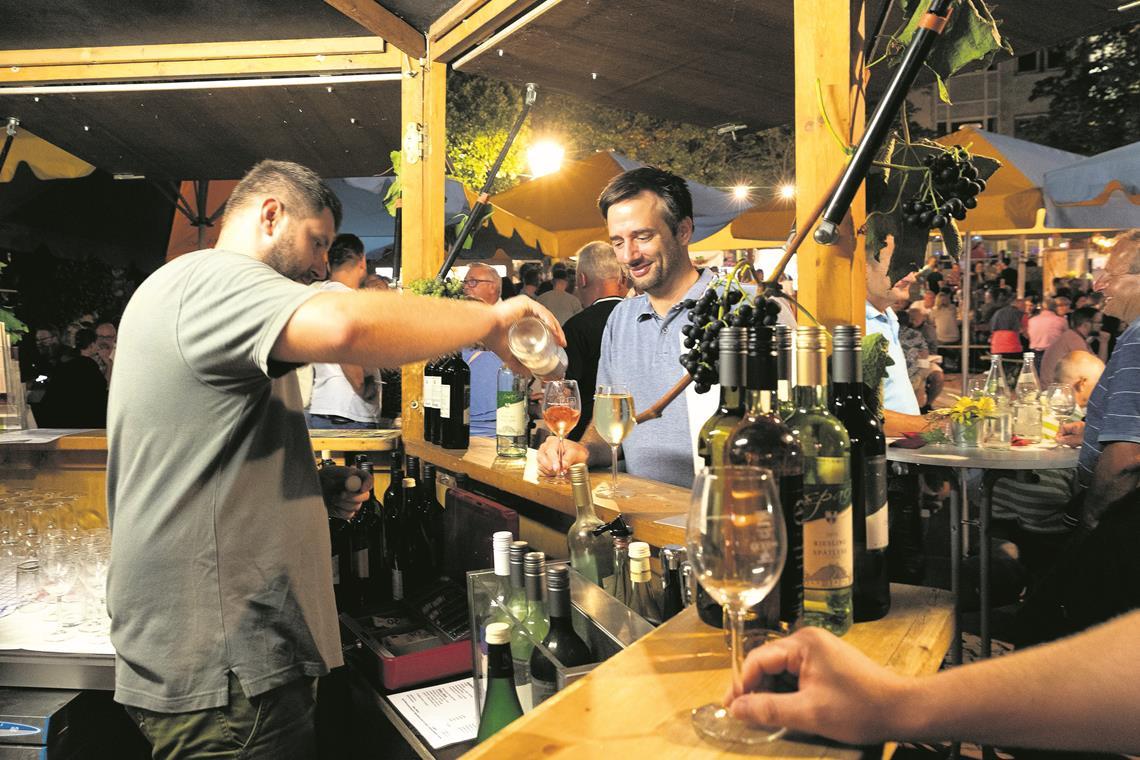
point(346, 248)
point(297, 185)
point(84, 338)
point(666, 185)
point(1083, 316)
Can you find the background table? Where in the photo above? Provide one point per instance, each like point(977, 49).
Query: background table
point(1041, 456)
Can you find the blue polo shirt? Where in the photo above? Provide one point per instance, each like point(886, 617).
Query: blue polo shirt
point(642, 350)
point(898, 393)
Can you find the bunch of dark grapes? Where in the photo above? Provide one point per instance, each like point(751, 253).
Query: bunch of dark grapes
point(706, 322)
point(953, 190)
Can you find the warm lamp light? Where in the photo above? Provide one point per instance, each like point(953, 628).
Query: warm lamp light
point(544, 158)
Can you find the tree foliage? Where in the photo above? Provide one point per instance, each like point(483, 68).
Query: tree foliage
point(1094, 100)
point(481, 111)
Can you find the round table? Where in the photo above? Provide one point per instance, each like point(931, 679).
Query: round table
point(1041, 456)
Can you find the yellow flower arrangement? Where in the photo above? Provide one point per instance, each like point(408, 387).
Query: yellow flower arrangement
point(967, 411)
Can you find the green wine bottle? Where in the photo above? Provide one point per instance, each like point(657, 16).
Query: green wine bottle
point(502, 703)
point(717, 428)
point(828, 538)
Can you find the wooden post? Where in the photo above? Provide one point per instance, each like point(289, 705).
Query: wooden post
point(828, 48)
point(423, 108)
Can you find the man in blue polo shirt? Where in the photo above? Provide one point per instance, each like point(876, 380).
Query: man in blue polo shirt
point(649, 215)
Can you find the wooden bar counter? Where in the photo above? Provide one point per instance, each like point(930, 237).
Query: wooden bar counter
point(651, 501)
point(637, 703)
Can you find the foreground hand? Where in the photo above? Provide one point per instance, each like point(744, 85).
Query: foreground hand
point(842, 693)
point(572, 453)
point(506, 314)
point(1071, 434)
point(344, 489)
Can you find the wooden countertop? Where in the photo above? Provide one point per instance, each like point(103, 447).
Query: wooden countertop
point(651, 501)
point(332, 440)
point(637, 703)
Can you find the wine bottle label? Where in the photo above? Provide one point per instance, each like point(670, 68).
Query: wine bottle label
point(510, 417)
point(444, 394)
point(875, 495)
point(542, 690)
point(360, 563)
point(829, 559)
point(397, 583)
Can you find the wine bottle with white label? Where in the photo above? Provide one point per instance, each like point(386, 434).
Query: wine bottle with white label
point(872, 590)
point(826, 505)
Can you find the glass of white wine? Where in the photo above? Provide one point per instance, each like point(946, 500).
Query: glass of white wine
point(613, 419)
point(737, 543)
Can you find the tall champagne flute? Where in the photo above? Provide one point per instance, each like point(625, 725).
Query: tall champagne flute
point(561, 409)
point(737, 543)
point(613, 419)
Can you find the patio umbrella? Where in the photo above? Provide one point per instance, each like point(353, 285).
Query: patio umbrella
point(1101, 192)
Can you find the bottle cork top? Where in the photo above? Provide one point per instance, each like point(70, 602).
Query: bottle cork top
point(498, 633)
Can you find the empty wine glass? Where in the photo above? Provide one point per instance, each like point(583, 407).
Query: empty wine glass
point(737, 543)
point(561, 409)
point(613, 419)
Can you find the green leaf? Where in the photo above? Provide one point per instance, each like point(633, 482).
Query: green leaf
point(970, 35)
point(943, 93)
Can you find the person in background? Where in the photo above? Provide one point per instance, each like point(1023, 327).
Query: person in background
point(344, 396)
point(649, 216)
point(1084, 693)
point(106, 335)
point(220, 589)
point(482, 283)
point(602, 285)
point(1083, 323)
point(558, 299)
point(77, 394)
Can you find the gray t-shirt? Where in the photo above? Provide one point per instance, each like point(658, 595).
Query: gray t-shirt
point(220, 557)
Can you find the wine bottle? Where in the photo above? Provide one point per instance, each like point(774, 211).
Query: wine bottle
point(871, 593)
point(363, 529)
point(763, 439)
point(785, 370)
point(828, 557)
point(516, 605)
point(430, 395)
point(590, 555)
point(534, 626)
point(501, 705)
point(672, 588)
point(510, 414)
point(641, 577)
point(455, 406)
point(561, 640)
point(714, 433)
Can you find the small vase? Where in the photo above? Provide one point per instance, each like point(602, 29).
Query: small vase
point(965, 434)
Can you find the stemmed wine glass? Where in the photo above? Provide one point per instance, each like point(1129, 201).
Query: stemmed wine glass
point(613, 419)
point(737, 543)
point(561, 409)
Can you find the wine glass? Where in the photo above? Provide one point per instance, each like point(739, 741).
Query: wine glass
point(561, 408)
point(737, 543)
point(613, 419)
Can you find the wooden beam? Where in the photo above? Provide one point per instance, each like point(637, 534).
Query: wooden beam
point(381, 21)
point(195, 51)
point(203, 69)
point(422, 175)
point(828, 44)
point(485, 20)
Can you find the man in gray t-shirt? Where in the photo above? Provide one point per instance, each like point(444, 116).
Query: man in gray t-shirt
point(220, 590)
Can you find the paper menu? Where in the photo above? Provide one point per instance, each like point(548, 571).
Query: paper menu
point(443, 714)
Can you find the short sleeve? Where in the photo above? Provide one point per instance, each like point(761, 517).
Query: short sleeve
point(1122, 417)
point(230, 313)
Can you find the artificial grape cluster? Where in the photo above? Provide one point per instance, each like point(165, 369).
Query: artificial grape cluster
point(706, 322)
point(952, 191)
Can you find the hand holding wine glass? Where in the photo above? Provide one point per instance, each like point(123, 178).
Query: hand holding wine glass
point(561, 409)
point(737, 543)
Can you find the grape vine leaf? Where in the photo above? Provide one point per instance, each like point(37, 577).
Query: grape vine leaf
point(970, 35)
